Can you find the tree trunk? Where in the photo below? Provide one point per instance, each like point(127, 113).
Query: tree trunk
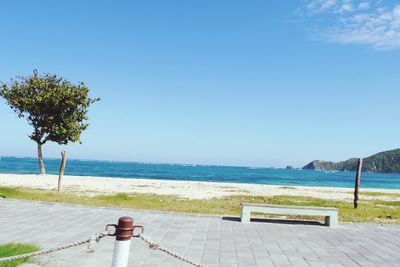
point(62, 168)
point(357, 182)
point(40, 159)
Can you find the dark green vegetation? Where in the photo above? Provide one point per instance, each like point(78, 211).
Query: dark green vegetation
point(12, 249)
point(369, 210)
point(388, 161)
point(56, 108)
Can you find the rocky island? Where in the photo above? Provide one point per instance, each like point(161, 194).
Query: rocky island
point(387, 162)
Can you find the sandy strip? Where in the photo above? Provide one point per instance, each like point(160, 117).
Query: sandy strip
point(186, 189)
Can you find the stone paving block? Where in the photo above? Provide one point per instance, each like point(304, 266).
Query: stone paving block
point(317, 264)
point(145, 264)
point(208, 239)
point(263, 263)
point(222, 264)
point(246, 264)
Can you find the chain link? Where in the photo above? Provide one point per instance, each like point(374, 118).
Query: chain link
point(153, 245)
point(96, 238)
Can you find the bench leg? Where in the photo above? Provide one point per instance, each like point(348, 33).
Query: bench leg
point(244, 216)
point(331, 221)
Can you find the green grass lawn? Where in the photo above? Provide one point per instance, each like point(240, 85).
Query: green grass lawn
point(376, 211)
point(376, 194)
point(12, 249)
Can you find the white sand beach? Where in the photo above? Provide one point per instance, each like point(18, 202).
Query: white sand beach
point(186, 189)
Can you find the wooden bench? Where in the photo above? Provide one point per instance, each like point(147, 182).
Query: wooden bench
point(331, 214)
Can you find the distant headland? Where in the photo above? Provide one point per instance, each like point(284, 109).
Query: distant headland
point(386, 162)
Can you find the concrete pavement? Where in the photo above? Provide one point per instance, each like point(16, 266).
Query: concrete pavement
point(211, 240)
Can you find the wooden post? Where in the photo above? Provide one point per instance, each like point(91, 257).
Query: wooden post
point(62, 168)
point(357, 183)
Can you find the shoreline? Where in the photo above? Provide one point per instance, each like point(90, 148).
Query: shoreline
point(92, 185)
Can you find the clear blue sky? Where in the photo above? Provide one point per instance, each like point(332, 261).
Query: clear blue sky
point(257, 83)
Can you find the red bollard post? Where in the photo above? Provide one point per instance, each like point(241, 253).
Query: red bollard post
point(123, 234)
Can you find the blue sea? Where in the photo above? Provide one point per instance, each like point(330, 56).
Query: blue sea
point(203, 173)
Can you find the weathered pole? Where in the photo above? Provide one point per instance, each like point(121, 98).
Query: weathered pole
point(357, 183)
point(62, 168)
point(123, 234)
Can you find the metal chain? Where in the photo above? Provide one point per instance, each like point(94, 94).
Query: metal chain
point(97, 238)
point(156, 246)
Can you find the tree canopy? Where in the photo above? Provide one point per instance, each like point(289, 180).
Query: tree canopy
point(56, 108)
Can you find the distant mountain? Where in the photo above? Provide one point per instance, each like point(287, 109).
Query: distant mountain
point(387, 161)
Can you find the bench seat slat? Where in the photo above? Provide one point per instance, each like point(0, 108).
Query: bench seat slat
point(289, 207)
point(331, 214)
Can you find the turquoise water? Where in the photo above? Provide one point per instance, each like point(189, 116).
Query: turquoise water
point(202, 173)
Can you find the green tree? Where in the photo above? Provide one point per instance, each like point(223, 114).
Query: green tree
point(56, 108)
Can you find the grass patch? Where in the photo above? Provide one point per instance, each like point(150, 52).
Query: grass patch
point(377, 211)
point(378, 194)
point(12, 249)
point(243, 191)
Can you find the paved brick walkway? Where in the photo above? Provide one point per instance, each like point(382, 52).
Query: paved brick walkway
point(212, 240)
